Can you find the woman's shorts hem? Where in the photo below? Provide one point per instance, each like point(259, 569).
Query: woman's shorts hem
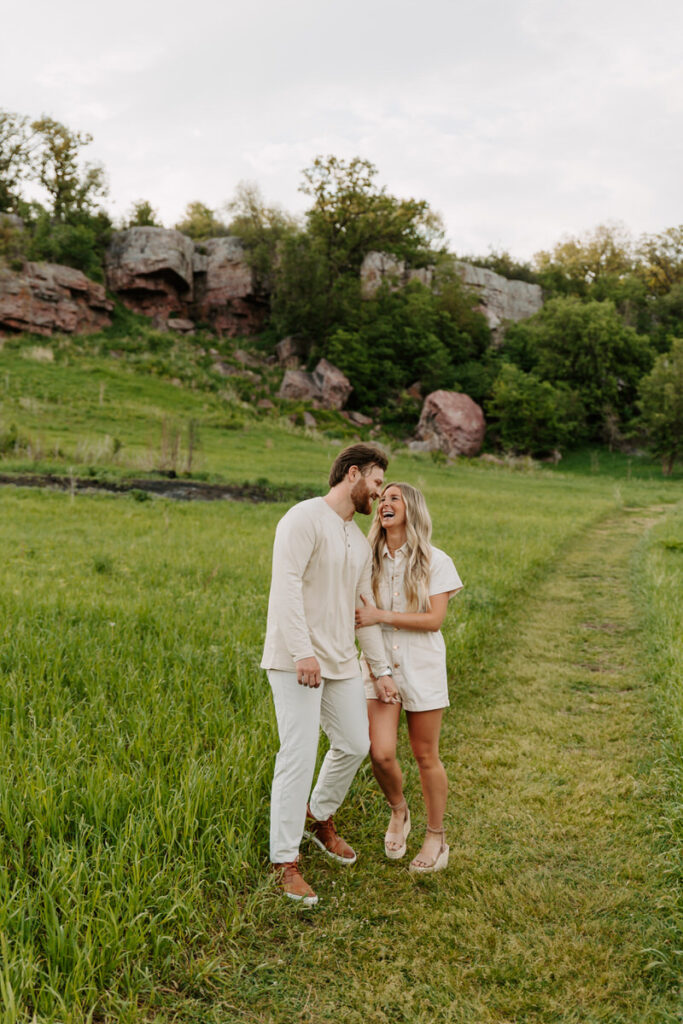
point(411, 706)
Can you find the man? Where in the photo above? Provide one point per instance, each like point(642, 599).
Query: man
point(321, 565)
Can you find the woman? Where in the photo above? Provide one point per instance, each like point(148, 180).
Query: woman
point(412, 583)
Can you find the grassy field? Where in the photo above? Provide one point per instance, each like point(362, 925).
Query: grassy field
point(138, 740)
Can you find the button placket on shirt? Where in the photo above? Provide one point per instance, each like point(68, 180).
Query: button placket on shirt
point(396, 582)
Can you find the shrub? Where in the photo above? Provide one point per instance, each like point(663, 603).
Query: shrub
point(532, 415)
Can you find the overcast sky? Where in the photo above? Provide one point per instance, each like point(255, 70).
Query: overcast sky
point(519, 121)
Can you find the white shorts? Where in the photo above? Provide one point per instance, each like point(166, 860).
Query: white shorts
point(430, 695)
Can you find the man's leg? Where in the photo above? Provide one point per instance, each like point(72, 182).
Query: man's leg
point(297, 709)
point(344, 717)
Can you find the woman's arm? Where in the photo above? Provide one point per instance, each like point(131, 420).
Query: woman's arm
point(429, 621)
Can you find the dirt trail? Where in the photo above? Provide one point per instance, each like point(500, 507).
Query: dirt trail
point(556, 792)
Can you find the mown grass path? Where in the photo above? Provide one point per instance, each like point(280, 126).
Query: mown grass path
point(551, 910)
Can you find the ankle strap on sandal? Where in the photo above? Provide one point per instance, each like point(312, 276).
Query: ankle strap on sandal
point(437, 831)
point(401, 803)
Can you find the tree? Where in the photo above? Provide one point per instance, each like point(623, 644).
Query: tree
point(353, 216)
point(661, 260)
point(200, 222)
point(589, 266)
point(261, 229)
point(143, 215)
point(501, 262)
point(350, 216)
point(15, 152)
point(587, 346)
point(73, 190)
point(661, 404)
point(531, 415)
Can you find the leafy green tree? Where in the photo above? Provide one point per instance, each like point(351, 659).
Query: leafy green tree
point(402, 337)
point(661, 404)
point(661, 260)
point(80, 243)
point(15, 154)
point(73, 189)
point(531, 415)
point(349, 216)
point(261, 229)
point(587, 346)
point(591, 266)
point(200, 222)
point(143, 215)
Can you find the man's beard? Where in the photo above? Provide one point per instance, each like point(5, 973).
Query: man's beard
point(360, 496)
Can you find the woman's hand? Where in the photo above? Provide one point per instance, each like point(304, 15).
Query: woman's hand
point(368, 615)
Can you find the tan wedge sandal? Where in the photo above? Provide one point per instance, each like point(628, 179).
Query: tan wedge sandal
point(419, 867)
point(395, 853)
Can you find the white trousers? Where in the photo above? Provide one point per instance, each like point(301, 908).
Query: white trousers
point(338, 705)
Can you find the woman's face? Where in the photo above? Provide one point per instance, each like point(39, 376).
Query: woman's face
point(392, 508)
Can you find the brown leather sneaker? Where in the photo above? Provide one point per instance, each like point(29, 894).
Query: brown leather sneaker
point(292, 882)
point(324, 835)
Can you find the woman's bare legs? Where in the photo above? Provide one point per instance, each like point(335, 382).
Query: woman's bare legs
point(385, 767)
point(424, 728)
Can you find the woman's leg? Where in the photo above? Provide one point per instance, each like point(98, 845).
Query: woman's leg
point(385, 767)
point(424, 728)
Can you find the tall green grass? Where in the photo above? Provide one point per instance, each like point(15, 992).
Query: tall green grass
point(136, 730)
point(659, 583)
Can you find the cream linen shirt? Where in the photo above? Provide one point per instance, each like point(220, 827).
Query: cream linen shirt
point(321, 566)
point(417, 657)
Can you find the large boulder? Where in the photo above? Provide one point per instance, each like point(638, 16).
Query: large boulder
point(48, 297)
point(225, 292)
point(451, 422)
point(327, 387)
point(151, 270)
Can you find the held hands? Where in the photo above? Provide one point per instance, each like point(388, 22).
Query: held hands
point(308, 672)
point(385, 688)
point(368, 615)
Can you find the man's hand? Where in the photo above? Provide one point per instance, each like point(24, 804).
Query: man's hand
point(308, 672)
point(385, 688)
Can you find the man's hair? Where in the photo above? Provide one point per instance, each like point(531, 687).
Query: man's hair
point(361, 455)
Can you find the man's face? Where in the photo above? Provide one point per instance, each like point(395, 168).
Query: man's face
point(367, 488)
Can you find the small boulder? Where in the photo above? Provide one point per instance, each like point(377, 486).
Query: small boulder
point(297, 385)
point(360, 419)
point(327, 387)
point(452, 422)
point(333, 385)
point(309, 420)
point(290, 351)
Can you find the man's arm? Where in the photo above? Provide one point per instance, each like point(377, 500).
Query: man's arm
point(370, 637)
point(292, 550)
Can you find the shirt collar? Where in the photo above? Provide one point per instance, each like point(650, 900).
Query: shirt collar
point(399, 551)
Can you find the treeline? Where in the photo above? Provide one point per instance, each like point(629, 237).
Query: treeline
point(601, 362)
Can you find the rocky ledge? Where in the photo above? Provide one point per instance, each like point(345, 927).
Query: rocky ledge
point(48, 297)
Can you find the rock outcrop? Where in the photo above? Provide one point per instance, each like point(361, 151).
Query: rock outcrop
point(450, 422)
point(327, 387)
point(159, 272)
point(152, 270)
point(224, 288)
point(45, 298)
point(501, 300)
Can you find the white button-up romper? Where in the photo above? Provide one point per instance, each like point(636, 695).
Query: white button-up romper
point(417, 657)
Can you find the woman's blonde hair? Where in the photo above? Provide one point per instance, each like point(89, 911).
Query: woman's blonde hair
point(418, 536)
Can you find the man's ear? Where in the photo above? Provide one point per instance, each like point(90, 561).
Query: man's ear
point(354, 473)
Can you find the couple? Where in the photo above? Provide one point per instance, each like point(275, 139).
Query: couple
point(330, 585)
